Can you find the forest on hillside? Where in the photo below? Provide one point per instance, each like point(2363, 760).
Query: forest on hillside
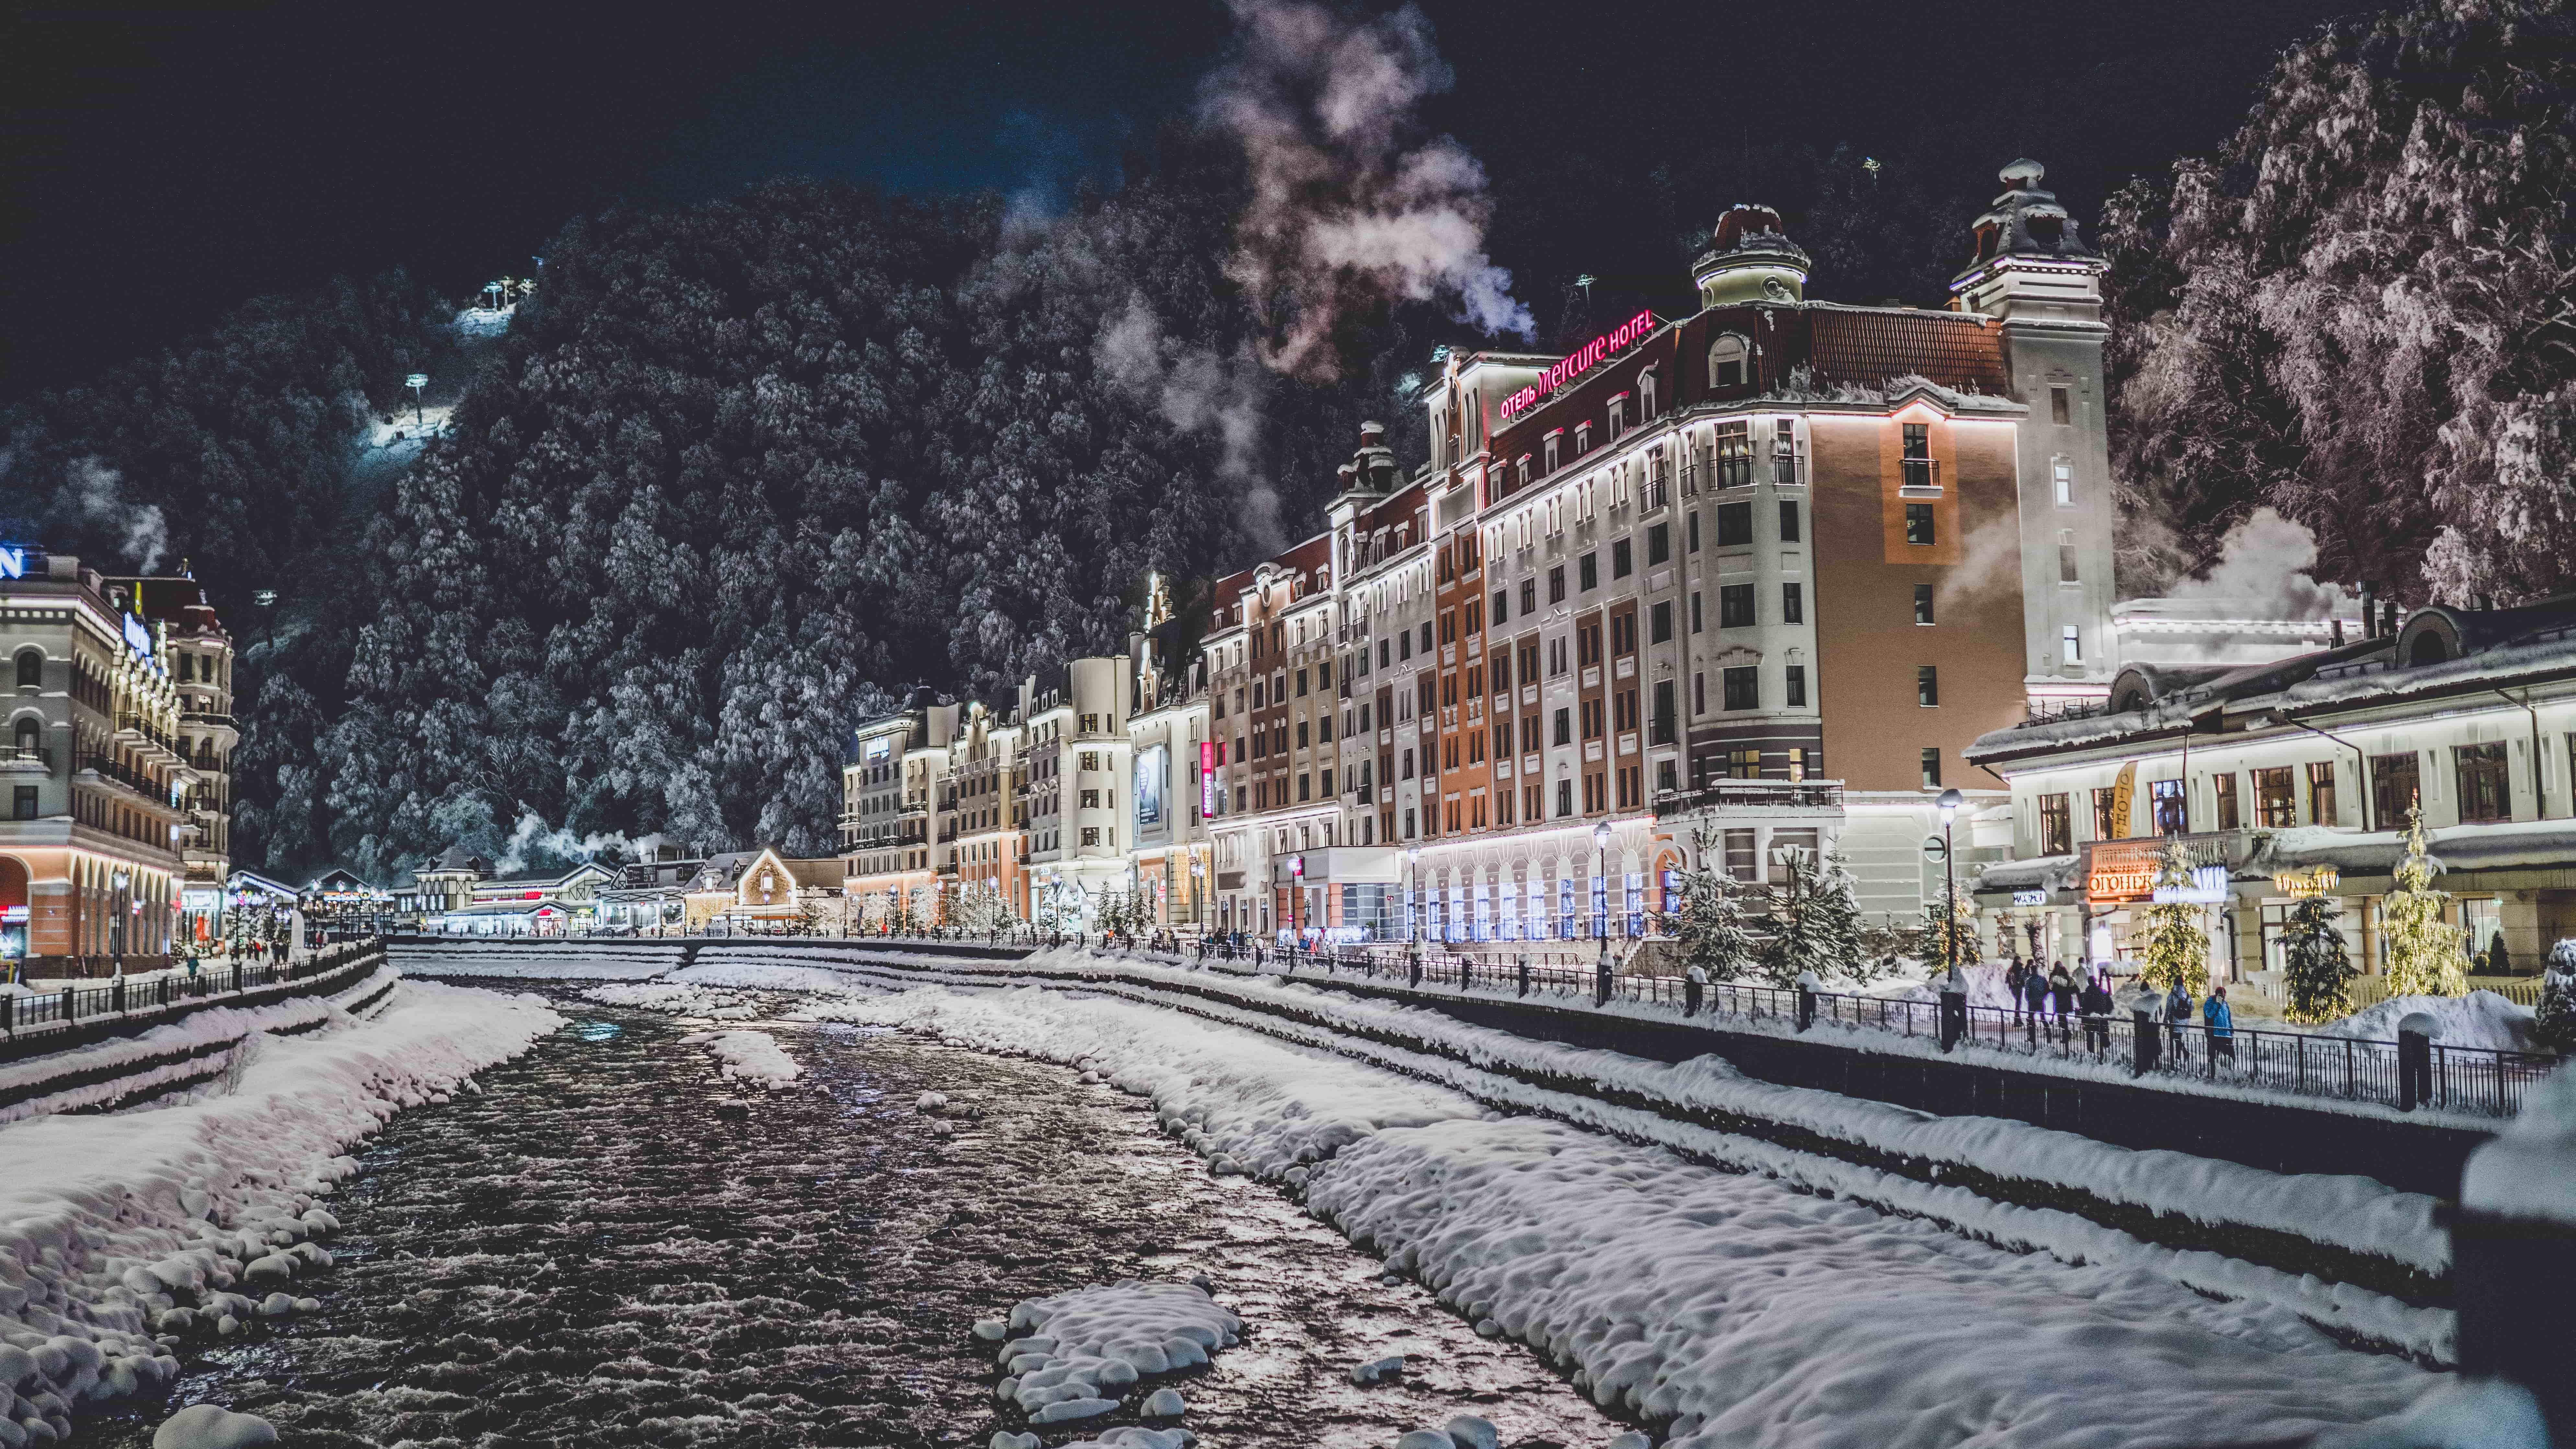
point(740, 474)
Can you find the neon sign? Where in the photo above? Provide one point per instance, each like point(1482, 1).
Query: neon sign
point(1578, 362)
point(1207, 778)
point(137, 637)
point(13, 563)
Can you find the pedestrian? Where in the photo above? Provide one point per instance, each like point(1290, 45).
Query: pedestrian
point(2034, 987)
point(2014, 976)
point(2178, 1008)
point(2061, 991)
point(2097, 1014)
point(2222, 1026)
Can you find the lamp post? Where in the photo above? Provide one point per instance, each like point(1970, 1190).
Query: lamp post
point(1601, 905)
point(1198, 873)
point(1296, 901)
point(416, 382)
point(1949, 883)
point(117, 921)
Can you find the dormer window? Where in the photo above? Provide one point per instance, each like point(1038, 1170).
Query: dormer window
point(1618, 416)
point(1582, 439)
point(1555, 437)
point(1729, 361)
point(1646, 397)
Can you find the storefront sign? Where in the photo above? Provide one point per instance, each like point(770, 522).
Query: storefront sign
point(2208, 888)
point(2030, 898)
point(2120, 871)
point(2316, 881)
point(1578, 362)
point(1207, 778)
point(137, 637)
point(2124, 794)
point(1152, 763)
point(13, 563)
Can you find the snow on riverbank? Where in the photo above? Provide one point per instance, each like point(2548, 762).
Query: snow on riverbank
point(2479, 1019)
point(1076, 1354)
point(1735, 1309)
point(678, 1000)
point(106, 1222)
point(750, 1056)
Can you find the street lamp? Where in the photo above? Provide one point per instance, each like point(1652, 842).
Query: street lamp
point(1950, 882)
point(416, 382)
point(1297, 900)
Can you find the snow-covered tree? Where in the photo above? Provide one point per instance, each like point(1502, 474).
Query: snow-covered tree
point(2358, 312)
point(1813, 921)
point(2553, 1024)
point(2317, 970)
point(1710, 922)
point(2421, 952)
point(2172, 948)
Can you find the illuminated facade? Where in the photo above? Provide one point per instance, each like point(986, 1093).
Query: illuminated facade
point(199, 654)
point(91, 850)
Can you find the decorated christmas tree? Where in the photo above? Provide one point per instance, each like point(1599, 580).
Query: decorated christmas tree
point(1962, 936)
point(2422, 951)
point(2172, 948)
point(2318, 969)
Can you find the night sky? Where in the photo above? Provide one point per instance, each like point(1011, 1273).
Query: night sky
point(162, 165)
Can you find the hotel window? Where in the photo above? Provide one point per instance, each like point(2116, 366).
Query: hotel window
point(1797, 698)
point(1734, 456)
point(1696, 625)
point(1793, 603)
point(1918, 523)
point(1922, 603)
point(1797, 760)
point(1694, 531)
point(1663, 716)
point(1660, 627)
point(1743, 684)
point(2070, 645)
point(1784, 452)
point(1091, 835)
point(2396, 782)
point(1735, 606)
point(2060, 407)
point(2165, 804)
point(1931, 768)
point(2106, 825)
point(2056, 830)
point(1726, 362)
point(1927, 685)
point(1741, 858)
point(1699, 694)
point(2223, 788)
point(2067, 572)
point(1618, 417)
point(1551, 451)
point(1744, 764)
point(1788, 520)
point(1734, 525)
point(1529, 596)
point(1623, 559)
point(1592, 719)
point(1556, 584)
point(2321, 793)
point(2276, 799)
point(2062, 472)
point(2485, 792)
point(1564, 797)
point(1582, 439)
point(1659, 544)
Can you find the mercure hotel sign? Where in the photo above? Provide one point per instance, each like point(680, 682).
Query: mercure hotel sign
point(1580, 361)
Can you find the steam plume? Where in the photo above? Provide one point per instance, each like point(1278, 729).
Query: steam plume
point(1349, 210)
point(2264, 561)
point(1197, 390)
point(531, 841)
point(94, 493)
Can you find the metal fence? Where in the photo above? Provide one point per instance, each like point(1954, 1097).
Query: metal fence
point(22, 1014)
point(2479, 1081)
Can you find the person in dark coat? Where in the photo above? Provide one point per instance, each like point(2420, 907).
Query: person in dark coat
point(2035, 988)
point(2061, 991)
point(2178, 1007)
point(2097, 1014)
point(2014, 976)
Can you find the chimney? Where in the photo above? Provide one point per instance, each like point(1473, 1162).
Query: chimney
point(2369, 609)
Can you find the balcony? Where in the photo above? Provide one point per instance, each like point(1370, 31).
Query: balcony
point(1729, 795)
point(1657, 496)
point(1919, 478)
point(137, 733)
point(26, 759)
point(107, 769)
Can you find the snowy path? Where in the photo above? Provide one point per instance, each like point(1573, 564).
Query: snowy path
point(1738, 1311)
point(609, 1245)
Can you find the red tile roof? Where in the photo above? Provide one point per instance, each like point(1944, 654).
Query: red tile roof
point(1868, 346)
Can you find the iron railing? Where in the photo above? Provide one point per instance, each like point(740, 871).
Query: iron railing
point(22, 1014)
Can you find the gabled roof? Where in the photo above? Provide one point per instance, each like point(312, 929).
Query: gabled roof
point(1870, 345)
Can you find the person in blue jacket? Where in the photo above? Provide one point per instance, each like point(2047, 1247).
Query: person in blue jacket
point(2222, 1024)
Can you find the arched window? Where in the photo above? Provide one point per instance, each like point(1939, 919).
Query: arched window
point(1729, 361)
point(28, 735)
point(31, 668)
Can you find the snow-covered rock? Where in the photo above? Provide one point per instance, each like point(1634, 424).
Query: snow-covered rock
point(2529, 1169)
point(750, 1056)
point(1469, 1432)
point(1164, 1404)
point(1378, 1370)
point(1079, 1349)
point(207, 1426)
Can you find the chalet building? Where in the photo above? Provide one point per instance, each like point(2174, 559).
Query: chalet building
point(92, 850)
point(2293, 777)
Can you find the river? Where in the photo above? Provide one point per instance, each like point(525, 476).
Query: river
point(606, 1245)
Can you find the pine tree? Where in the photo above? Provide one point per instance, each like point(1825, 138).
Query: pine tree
point(2553, 1025)
point(2318, 969)
point(1814, 920)
point(1711, 922)
point(2172, 948)
point(1934, 943)
point(2423, 951)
